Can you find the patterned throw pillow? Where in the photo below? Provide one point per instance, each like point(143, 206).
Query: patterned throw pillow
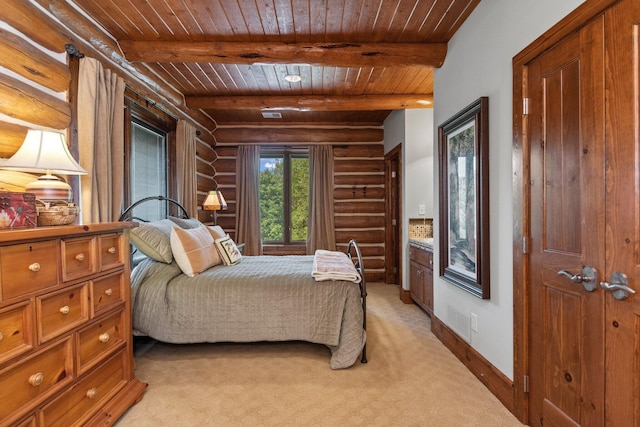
point(194, 250)
point(228, 251)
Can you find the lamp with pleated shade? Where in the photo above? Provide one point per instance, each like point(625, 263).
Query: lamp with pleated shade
point(46, 151)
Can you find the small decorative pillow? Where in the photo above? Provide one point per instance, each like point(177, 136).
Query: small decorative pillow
point(194, 250)
point(228, 251)
point(152, 239)
point(186, 223)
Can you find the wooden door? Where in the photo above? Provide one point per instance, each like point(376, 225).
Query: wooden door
point(584, 129)
point(622, 212)
point(393, 185)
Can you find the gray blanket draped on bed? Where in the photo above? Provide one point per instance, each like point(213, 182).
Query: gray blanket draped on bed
point(263, 298)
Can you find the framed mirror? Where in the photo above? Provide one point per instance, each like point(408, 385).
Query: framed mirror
point(464, 199)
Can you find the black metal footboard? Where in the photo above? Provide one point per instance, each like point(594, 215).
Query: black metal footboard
point(353, 247)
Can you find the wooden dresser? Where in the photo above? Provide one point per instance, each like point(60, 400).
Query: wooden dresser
point(66, 354)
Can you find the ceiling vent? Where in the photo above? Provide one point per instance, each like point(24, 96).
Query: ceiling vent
point(272, 115)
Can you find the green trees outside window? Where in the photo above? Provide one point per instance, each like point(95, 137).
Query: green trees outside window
point(284, 195)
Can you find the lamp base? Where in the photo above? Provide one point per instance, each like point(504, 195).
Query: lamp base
point(49, 188)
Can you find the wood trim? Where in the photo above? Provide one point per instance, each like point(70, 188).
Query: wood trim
point(489, 375)
point(521, 191)
point(395, 154)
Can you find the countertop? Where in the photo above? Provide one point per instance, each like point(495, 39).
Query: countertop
point(422, 243)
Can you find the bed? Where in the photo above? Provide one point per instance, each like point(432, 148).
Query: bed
point(258, 298)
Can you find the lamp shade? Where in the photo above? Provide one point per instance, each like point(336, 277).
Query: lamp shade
point(214, 201)
point(46, 151)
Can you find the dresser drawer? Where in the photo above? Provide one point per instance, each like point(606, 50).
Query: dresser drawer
point(34, 379)
point(99, 339)
point(28, 267)
point(106, 293)
point(76, 405)
point(78, 258)
point(16, 330)
point(111, 255)
point(61, 311)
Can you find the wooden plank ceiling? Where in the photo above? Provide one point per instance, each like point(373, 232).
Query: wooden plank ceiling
point(357, 59)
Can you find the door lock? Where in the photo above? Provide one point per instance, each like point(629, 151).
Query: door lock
point(588, 278)
point(618, 286)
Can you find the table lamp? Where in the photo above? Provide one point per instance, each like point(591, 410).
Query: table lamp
point(46, 151)
point(214, 202)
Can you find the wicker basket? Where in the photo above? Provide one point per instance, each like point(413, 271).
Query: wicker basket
point(56, 213)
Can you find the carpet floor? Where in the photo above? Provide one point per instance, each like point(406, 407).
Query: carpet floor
point(411, 380)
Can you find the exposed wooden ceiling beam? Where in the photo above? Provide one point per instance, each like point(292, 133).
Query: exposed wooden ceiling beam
point(321, 54)
point(312, 103)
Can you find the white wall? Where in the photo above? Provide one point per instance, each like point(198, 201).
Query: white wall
point(479, 63)
point(414, 129)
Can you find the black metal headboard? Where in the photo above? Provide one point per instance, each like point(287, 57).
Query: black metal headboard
point(127, 214)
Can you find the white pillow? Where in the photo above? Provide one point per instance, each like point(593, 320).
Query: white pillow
point(228, 251)
point(194, 250)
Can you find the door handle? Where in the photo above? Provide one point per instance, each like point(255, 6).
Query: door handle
point(618, 286)
point(588, 278)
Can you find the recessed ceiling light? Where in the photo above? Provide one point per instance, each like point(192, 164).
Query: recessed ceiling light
point(292, 78)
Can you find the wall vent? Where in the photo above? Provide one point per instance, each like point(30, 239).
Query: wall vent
point(268, 115)
point(459, 323)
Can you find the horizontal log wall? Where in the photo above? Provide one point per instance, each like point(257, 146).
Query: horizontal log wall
point(358, 190)
point(24, 104)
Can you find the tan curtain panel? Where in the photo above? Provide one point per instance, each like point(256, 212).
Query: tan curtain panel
point(247, 199)
point(100, 141)
point(321, 228)
point(186, 167)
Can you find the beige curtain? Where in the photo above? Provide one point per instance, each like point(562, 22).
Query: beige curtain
point(100, 141)
point(186, 166)
point(321, 229)
point(247, 199)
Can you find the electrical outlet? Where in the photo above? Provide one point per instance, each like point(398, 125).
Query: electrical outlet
point(474, 322)
point(422, 210)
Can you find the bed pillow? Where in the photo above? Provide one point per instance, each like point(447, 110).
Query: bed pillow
point(228, 251)
point(194, 250)
point(153, 239)
point(186, 223)
point(217, 232)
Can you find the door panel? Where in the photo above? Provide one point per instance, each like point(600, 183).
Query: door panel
point(622, 169)
point(566, 342)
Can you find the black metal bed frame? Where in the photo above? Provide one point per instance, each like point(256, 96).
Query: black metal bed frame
point(351, 247)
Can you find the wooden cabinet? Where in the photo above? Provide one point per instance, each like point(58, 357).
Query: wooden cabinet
point(421, 277)
point(66, 354)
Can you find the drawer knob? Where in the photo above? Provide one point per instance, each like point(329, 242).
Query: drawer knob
point(104, 337)
point(36, 379)
point(108, 292)
point(80, 257)
point(92, 393)
point(65, 309)
point(34, 267)
point(111, 250)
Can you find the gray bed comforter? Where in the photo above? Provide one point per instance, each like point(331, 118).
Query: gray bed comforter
point(263, 298)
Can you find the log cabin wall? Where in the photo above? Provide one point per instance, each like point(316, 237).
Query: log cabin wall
point(358, 182)
point(35, 78)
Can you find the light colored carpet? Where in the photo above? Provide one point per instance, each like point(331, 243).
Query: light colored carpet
point(411, 380)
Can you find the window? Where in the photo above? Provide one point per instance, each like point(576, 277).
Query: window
point(284, 195)
point(148, 169)
point(149, 156)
